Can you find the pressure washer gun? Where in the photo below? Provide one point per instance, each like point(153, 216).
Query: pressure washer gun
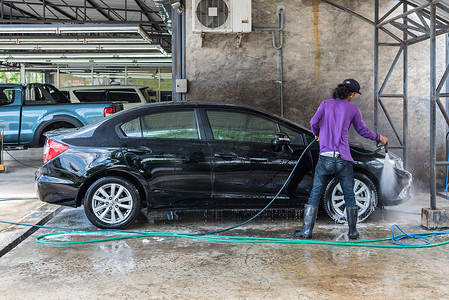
point(380, 146)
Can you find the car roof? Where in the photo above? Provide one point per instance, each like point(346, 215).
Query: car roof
point(103, 135)
point(141, 109)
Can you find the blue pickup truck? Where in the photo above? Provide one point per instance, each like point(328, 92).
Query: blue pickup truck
point(28, 111)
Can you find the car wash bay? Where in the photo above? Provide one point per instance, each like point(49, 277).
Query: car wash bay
point(167, 267)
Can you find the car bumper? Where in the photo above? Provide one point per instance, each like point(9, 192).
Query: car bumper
point(55, 190)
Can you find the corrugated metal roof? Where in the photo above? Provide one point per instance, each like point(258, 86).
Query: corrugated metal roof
point(42, 25)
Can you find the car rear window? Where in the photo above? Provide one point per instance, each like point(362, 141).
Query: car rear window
point(125, 95)
point(167, 125)
point(91, 95)
point(242, 127)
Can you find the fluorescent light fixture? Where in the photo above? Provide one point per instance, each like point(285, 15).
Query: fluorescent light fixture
point(74, 40)
point(80, 47)
point(65, 29)
point(80, 50)
point(91, 61)
point(25, 57)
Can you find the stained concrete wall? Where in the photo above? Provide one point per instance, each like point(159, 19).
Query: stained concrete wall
point(322, 46)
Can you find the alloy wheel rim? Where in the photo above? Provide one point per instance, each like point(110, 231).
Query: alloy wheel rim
point(362, 198)
point(112, 203)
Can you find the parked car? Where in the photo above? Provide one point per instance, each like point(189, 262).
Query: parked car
point(28, 111)
point(129, 95)
point(189, 156)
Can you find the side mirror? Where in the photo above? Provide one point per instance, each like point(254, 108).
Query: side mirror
point(282, 139)
point(281, 142)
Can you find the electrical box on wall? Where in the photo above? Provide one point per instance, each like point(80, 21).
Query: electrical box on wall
point(221, 16)
point(181, 86)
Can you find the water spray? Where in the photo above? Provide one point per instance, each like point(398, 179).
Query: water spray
point(388, 177)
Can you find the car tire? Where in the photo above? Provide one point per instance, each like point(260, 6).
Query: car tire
point(112, 203)
point(366, 198)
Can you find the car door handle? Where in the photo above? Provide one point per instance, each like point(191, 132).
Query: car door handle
point(226, 156)
point(140, 150)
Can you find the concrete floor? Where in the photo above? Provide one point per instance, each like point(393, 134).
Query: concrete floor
point(166, 268)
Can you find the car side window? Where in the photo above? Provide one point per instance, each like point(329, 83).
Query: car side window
point(132, 128)
point(242, 127)
point(167, 125)
point(7, 96)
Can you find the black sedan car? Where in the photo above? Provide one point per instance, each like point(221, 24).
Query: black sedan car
point(190, 156)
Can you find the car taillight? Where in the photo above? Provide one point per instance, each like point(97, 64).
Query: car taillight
point(53, 149)
point(109, 111)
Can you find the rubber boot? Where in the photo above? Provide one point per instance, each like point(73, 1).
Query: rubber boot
point(310, 213)
point(353, 215)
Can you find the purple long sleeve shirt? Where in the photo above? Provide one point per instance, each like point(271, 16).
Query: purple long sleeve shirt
point(336, 117)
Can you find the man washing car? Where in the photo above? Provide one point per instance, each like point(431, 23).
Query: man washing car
point(330, 126)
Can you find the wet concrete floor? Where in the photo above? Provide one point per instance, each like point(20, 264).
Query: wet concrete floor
point(167, 268)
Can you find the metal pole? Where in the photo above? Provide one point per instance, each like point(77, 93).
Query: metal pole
point(433, 186)
point(183, 49)
point(92, 74)
point(447, 91)
point(58, 82)
point(281, 53)
point(126, 75)
point(177, 52)
point(282, 83)
point(159, 84)
point(405, 101)
point(376, 64)
point(22, 74)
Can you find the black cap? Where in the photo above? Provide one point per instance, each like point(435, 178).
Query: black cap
point(353, 85)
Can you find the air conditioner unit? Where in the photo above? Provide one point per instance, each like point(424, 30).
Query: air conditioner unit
point(221, 16)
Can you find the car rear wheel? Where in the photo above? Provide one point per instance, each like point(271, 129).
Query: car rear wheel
point(365, 197)
point(112, 202)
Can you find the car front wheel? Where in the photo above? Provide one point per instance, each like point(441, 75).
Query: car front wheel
point(112, 202)
point(365, 197)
